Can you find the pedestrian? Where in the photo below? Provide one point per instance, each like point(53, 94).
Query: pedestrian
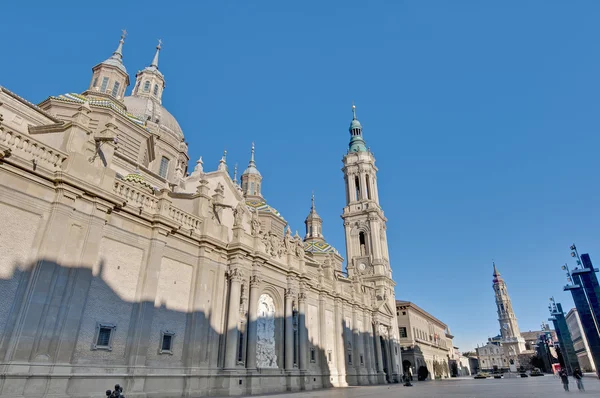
point(565, 379)
point(578, 375)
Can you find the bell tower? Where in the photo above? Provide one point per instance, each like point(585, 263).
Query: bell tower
point(364, 221)
point(509, 328)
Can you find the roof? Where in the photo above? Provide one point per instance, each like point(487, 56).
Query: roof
point(29, 104)
point(422, 311)
point(262, 206)
point(104, 102)
point(145, 107)
point(318, 247)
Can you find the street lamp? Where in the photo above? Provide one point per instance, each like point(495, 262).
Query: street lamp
point(575, 253)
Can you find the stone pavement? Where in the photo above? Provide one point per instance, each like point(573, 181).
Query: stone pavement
point(547, 386)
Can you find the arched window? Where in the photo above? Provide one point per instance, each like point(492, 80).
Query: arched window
point(310, 229)
point(147, 86)
point(156, 89)
point(357, 186)
point(363, 244)
point(251, 188)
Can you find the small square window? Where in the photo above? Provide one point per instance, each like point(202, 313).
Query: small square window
point(104, 336)
point(166, 342)
point(403, 312)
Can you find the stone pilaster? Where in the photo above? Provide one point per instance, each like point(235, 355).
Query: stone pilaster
point(302, 332)
point(340, 351)
point(379, 358)
point(289, 329)
point(255, 281)
point(235, 279)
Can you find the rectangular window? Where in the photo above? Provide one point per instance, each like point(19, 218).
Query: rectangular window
point(295, 345)
point(104, 84)
point(241, 348)
point(95, 82)
point(313, 355)
point(251, 188)
point(349, 358)
point(166, 342)
point(164, 167)
point(329, 359)
point(362, 359)
point(403, 332)
point(104, 336)
point(115, 89)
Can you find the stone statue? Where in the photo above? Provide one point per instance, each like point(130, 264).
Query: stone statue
point(238, 215)
point(255, 224)
point(300, 249)
point(288, 241)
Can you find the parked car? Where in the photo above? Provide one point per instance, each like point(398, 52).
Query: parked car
point(482, 375)
point(536, 372)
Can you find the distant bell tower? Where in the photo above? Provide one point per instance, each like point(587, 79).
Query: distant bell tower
point(509, 329)
point(364, 222)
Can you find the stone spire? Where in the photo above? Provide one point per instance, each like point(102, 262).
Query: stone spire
point(357, 143)
point(223, 162)
point(251, 178)
point(150, 82)
point(235, 181)
point(314, 224)
point(110, 76)
point(155, 60)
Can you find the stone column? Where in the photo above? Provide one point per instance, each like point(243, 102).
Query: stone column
point(252, 318)
point(377, 343)
point(289, 330)
point(302, 332)
point(352, 187)
point(355, 340)
point(368, 342)
point(323, 363)
point(339, 331)
point(235, 276)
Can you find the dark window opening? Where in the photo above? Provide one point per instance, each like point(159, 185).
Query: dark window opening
point(241, 347)
point(363, 244)
point(357, 186)
point(403, 333)
point(104, 337)
point(167, 342)
point(368, 187)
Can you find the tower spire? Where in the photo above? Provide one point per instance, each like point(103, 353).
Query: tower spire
point(496, 273)
point(313, 209)
point(155, 60)
point(235, 174)
point(118, 54)
point(357, 143)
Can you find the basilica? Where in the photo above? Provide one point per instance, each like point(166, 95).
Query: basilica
point(124, 263)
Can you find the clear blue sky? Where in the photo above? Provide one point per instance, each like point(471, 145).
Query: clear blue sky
point(483, 118)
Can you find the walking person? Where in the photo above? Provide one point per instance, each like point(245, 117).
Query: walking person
point(565, 379)
point(578, 375)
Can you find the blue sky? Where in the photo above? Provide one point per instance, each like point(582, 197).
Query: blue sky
point(483, 117)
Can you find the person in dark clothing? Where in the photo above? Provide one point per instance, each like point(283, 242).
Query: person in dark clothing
point(578, 375)
point(565, 379)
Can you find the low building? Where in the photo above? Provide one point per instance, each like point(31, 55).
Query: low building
point(580, 343)
point(425, 341)
point(492, 357)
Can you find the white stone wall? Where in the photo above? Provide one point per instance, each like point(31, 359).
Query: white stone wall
point(17, 233)
point(110, 300)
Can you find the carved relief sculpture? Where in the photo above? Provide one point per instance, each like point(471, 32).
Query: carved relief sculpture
point(266, 356)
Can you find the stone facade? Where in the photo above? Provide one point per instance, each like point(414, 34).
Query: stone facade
point(119, 266)
point(425, 341)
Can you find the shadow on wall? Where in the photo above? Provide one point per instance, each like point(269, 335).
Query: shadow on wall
point(65, 331)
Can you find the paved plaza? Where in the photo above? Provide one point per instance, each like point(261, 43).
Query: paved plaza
point(546, 386)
